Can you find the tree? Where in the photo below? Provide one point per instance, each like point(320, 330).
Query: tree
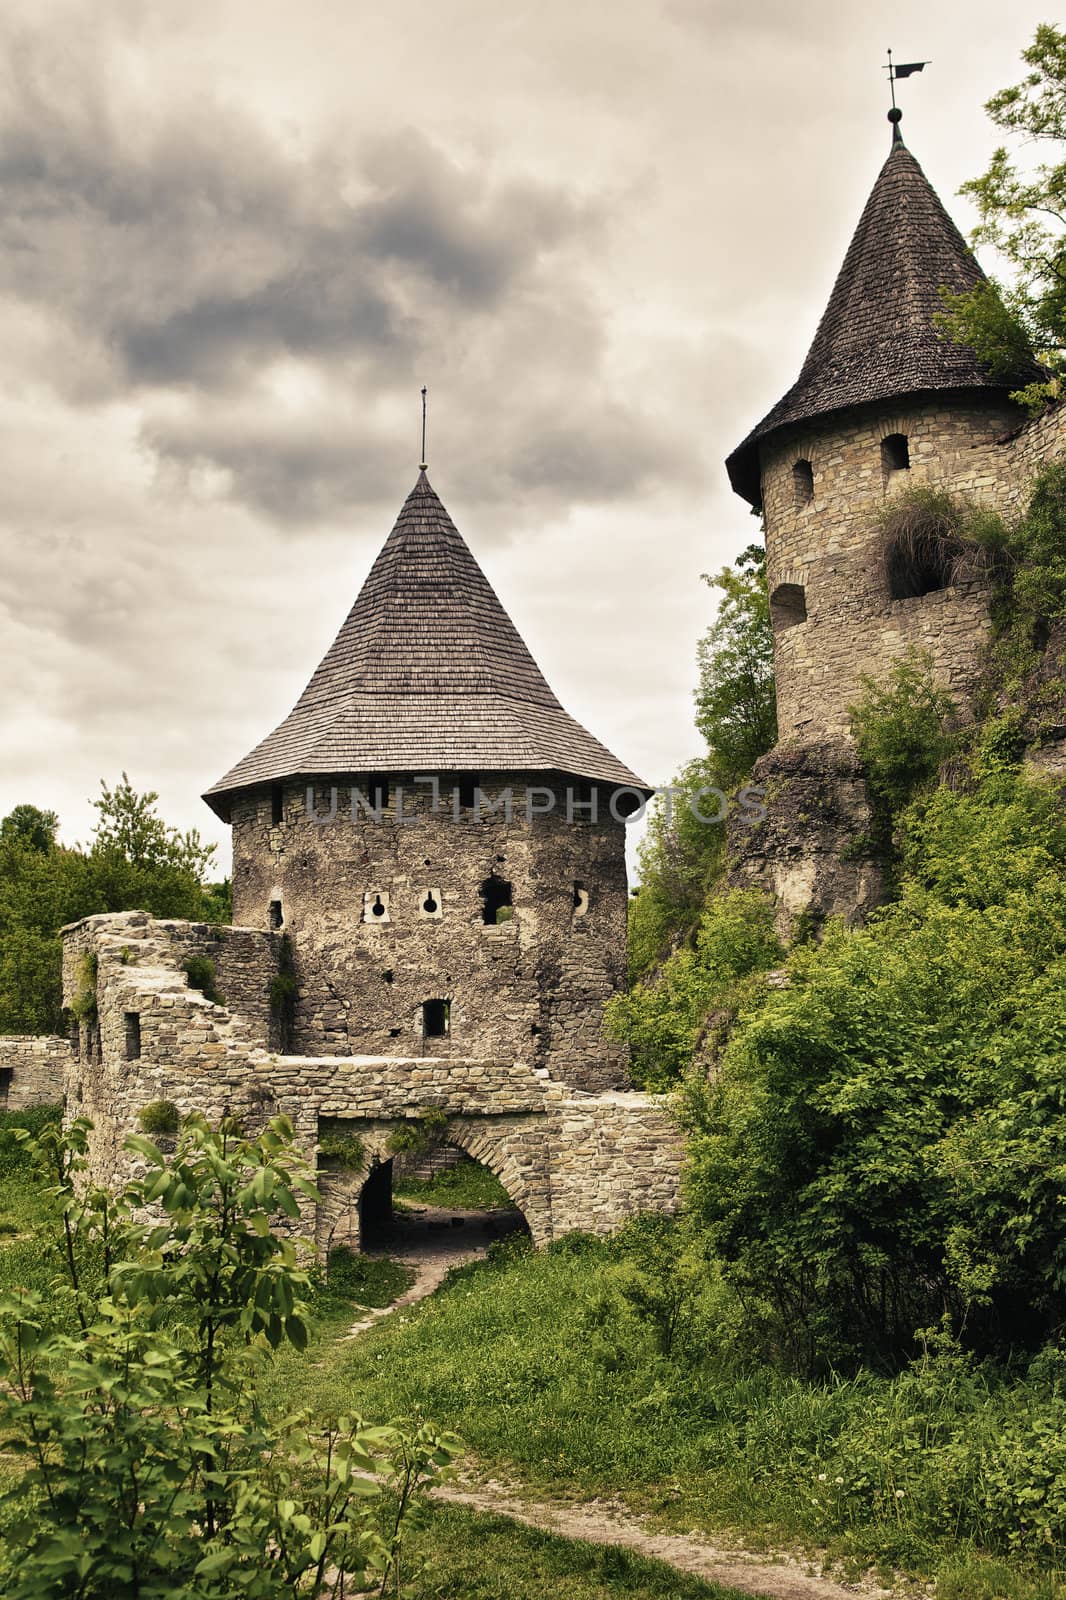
point(682, 857)
point(130, 1396)
point(1023, 217)
point(31, 826)
point(736, 709)
point(136, 862)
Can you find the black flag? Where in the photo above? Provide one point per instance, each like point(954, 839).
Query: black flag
point(907, 68)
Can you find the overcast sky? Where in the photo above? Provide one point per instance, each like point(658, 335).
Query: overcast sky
point(236, 237)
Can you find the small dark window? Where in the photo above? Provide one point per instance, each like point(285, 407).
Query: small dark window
point(919, 564)
point(276, 918)
point(802, 482)
point(581, 899)
point(435, 1018)
point(895, 453)
point(466, 787)
point(377, 791)
point(277, 804)
point(788, 606)
point(5, 1084)
point(133, 1036)
point(496, 901)
point(387, 974)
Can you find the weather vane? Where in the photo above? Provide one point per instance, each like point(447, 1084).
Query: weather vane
point(904, 70)
point(423, 462)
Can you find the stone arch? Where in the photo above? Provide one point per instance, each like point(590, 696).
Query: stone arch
point(516, 1151)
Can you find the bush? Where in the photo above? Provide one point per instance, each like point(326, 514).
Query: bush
point(15, 1153)
point(901, 732)
point(662, 1019)
point(148, 1464)
point(346, 1149)
point(159, 1118)
point(883, 1140)
point(201, 973)
point(83, 1005)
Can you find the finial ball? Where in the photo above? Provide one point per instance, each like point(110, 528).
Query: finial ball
point(895, 115)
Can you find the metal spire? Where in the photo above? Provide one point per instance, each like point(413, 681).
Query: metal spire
point(904, 70)
point(422, 465)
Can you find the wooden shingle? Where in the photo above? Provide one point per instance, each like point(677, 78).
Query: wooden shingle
point(878, 339)
point(427, 675)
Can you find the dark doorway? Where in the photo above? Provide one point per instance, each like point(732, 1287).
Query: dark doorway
point(375, 1207)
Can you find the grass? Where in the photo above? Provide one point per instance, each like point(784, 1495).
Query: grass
point(357, 1280)
point(537, 1364)
point(467, 1185)
point(475, 1557)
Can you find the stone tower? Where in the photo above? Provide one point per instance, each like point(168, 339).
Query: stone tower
point(883, 403)
point(443, 844)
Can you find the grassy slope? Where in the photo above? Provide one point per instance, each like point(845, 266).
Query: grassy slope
point(514, 1358)
point(474, 1557)
point(469, 1186)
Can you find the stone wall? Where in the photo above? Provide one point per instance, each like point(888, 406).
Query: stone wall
point(157, 1039)
point(614, 1156)
point(384, 916)
point(32, 1070)
point(835, 621)
point(830, 547)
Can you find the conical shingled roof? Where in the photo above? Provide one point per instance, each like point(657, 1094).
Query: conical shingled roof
point(427, 675)
point(878, 339)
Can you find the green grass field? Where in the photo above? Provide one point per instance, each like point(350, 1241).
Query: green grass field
point(468, 1186)
point(539, 1362)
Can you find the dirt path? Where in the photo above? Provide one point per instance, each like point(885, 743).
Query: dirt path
point(599, 1522)
point(432, 1246)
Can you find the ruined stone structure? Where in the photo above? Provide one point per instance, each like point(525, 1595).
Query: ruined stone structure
point(883, 404)
point(471, 899)
point(430, 892)
point(429, 875)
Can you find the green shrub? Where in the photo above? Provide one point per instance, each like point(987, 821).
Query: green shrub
point(663, 1017)
point(419, 1134)
point(15, 1154)
point(201, 973)
point(901, 731)
point(159, 1119)
point(346, 1149)
point(142, 1443)
point(883, 1138)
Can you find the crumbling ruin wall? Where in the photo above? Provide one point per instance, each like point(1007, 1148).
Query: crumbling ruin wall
point(32, 1069)
point(154, 1038)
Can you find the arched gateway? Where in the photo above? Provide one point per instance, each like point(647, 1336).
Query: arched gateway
point(429, 877)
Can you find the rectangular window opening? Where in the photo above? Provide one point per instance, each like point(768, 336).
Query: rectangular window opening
point(436, 1019)
point(277, 804)
point(276, 916)
point(133, 1036)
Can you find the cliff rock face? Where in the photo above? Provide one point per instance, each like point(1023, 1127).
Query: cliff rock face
point(813, 851)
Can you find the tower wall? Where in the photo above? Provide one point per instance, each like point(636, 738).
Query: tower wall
point(532, 988)
point(830, 546)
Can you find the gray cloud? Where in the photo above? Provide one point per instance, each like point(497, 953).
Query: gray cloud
point(196, 254)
